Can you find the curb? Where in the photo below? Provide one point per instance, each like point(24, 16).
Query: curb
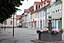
point(39, 41)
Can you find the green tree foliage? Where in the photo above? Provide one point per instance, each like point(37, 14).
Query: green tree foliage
point(7, 8)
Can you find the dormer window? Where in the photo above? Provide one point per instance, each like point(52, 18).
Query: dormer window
point(57, 0)
point(56, 10)
point(39, 7)
point(42, 0)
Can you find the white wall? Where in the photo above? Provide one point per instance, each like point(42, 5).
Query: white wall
point(62, 14)
point(8, 22)
point(0, 25)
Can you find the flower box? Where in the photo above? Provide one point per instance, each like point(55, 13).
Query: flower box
point(56, 31)
point(42, 31)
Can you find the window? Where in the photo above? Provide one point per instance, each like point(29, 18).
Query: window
point(40, 24)
point(5, 22)
point(55, 24)
point(36, 7)
point(57, 0)
point(39, 7)
point(60, 24)
point(42, 0)
point(11, 22)
point(56, 10)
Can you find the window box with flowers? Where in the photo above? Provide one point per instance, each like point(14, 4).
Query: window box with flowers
point(42, 30)
point(56, 31)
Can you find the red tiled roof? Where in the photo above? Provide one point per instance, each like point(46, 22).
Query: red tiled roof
point(26, 10)
point(38, 3)
point(18, 17)
point(48, 0)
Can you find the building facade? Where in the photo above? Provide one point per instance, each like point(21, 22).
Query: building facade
point(9, 22)
point(54, 10)
point(44, 10)
point(41, 14)
point(62, 14)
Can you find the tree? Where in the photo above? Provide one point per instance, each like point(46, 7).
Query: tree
point(7, 8)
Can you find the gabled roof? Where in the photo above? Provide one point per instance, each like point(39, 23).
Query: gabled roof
point(18, 17)
point(40, 3)
point(26, 11)
point(31, 8)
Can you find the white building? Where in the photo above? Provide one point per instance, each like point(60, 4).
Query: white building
point(18, 22)
point(41, 14)
point(62, 14)
point(54, 11)
point(27, 18)
point(9, 22)
point(42, 11)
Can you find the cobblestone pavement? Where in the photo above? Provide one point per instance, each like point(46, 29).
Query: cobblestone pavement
point(22, 35)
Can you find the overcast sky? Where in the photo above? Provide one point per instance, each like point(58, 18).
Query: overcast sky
point(26, 4)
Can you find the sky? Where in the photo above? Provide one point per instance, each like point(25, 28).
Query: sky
point(26, 4)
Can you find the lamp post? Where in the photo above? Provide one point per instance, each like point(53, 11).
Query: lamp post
point(13, 25)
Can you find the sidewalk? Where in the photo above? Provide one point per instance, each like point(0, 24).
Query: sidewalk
point(38, 41)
